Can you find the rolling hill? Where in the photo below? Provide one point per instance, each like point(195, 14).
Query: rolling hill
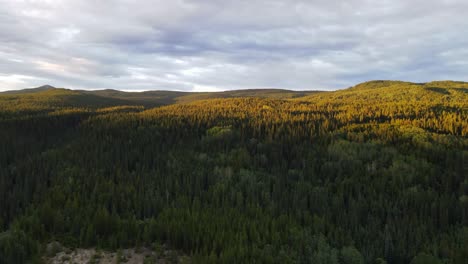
point(49, 95)
point(382, 91)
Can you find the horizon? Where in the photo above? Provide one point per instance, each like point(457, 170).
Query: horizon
point(219, 91)
point(220, 46)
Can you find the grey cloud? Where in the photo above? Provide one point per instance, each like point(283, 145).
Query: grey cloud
point(217, 45)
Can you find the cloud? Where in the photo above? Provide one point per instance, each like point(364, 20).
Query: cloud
point(227, 44)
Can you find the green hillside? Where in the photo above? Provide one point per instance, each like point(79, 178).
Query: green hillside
point(397, 91)
point(49, 96)
point(375, 173)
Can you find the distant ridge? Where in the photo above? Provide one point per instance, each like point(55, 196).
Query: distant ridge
point(372, 84)
point(151, 98)
point(378, 90)
point(31, 90)
point(387, 83)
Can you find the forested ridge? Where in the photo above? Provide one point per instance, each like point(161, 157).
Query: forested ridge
point(376, 173)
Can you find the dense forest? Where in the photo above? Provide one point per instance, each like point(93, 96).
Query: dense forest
point(376, 173)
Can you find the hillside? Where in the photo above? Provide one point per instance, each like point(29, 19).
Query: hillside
point(397, 91)
point(49, 96)
point(381, 91)
point(375, 173)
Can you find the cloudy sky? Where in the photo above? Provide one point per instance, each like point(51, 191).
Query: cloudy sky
point(210, 45)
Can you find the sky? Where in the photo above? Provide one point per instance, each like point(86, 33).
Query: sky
point(211, 45)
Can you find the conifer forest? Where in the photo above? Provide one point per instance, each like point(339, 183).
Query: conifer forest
point(375, 173)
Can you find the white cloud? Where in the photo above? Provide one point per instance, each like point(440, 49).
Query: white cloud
point(218, 45)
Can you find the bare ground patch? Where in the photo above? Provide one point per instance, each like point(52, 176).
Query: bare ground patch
point(57, 254)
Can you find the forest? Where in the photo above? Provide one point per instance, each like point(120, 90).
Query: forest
point(375, 173)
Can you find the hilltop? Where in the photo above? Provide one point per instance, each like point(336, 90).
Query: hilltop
point(50, 96)
point(398, 91)
point(382, 91)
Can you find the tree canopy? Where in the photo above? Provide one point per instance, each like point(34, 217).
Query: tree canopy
point(372, 174)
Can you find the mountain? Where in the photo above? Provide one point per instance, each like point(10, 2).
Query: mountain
point(30, 90)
